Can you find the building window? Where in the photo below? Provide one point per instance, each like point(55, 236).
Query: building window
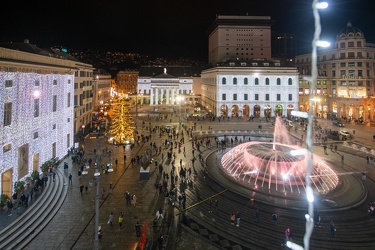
point(360, 83)
point(68, 140)
point(223, 97)
point(8, 83)
point(234, 97)
point(68, 99)
point(69, 81)
point(7, 148)
point(267, 81)
point(37, 83)
point(245, 81)
point(36, 107)
point(278, 97)
point(333, 83)
point(235, 81)
point(53, 126)
point(359, 44)
point(278, 80)
point(54, 82)
point(224, 81)
point(256, 81)
point(267, 97)
point(290, 97)
point(333, 73)
point(245, 97)
point(256, 97)
point(35, 135)
point(343, 65)
point(7, 113)
point(343, 83)
point(54, 103)
point(290, 81)
point(300, 91)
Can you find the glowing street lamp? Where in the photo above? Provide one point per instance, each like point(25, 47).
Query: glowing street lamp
point(83, 129)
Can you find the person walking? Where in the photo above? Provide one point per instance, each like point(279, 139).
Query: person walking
point(232, 218)
point(103, 192)
point(134, 200)
point(160, 242)
point(70, 179)
point(81, 189)
point(110, 219)
point(120, 219)
point(274, 218)
point(110, 188)
point(287, 235)
point(332, 228)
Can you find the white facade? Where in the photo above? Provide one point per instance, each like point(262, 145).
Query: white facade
point(239, 37)
point(36, 112)
point(240, 90)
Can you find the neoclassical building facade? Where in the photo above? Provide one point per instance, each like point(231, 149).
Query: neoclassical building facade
point(257, 88)
point(346, 77)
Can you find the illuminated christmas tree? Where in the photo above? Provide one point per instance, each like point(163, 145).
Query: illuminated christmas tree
point(121, 128)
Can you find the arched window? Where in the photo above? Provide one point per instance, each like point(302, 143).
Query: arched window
point(290, 82)
point(245, 81)
point(278, 81)
point(224, 80)
point(256, 81)
point(267, 81)
point(234, 81)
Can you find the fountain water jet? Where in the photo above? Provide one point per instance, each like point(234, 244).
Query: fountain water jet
point(271, 165)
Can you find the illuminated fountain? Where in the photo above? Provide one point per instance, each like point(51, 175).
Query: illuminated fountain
point(271, 166)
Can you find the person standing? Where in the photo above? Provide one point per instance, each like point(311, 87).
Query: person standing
point(274, 218)
point(232, 218)
point(238, 218)
point(138, 228)
point(70, 179)
point(257, 216)
point(134, 200)
point(160, 242)
point(81, 189)
point(332, 228)
point(110, 188)
point(110, 219)
point(120, 219)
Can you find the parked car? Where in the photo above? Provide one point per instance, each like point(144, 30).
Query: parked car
point(345, 133)
point(338, 123)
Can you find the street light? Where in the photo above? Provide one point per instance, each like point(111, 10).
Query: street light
point(83, 129)
point(97, 179)
point(179, 99)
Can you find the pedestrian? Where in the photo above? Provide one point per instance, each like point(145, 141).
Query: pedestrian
point(332, 228)
point(336, 148)
point(10, 207)
point(110, 219)
point(331, 147)
point(110, 188)
point(134, 200)
point(86, 188)
point(368, 159)
point(138, 228)
point(70, 179)
point(238, 218)
point(274, 218)
point(81, 189)
point(120, 219)
point(232, 218)
point(257, 216)
point(216, 203)
point(103, 192)
point(363, 176)
point(54, 175)
point(116, 161)
point(325, 149)
point(160, 242)
point(287, 235)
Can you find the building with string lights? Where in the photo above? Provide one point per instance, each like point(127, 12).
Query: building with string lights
point(37, 108)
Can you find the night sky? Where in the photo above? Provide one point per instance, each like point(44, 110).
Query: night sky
point(168, 28)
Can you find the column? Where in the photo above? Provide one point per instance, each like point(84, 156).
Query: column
point(157, 95)
point(173, 100)
point(167, 102)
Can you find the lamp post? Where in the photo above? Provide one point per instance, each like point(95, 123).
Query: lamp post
point(83, 129)
point(97, 179)
point(179, 98)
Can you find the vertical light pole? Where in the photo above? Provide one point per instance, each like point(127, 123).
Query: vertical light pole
point(136, 105)
point(179, 98)
point(83, 130)
point(97, 179)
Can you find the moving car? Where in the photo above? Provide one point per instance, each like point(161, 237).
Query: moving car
point(337, 123)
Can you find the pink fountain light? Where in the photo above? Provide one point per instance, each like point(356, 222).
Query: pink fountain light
point(270, 165)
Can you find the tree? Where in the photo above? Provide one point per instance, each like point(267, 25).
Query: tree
point(121, 128)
